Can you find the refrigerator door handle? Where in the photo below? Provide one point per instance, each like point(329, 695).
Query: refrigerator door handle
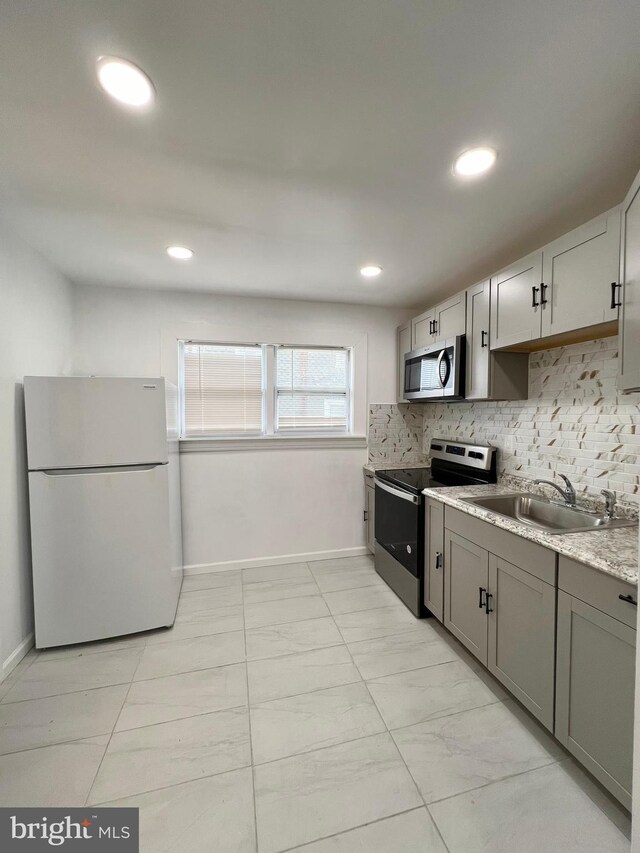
point(105, 469)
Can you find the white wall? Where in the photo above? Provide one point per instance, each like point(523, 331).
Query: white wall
point(35, 337)
point(259, 504)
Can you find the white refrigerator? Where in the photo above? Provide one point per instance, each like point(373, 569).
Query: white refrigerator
point(104, 494)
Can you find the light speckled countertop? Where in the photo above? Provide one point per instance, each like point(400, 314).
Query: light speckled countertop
point(614, 552)
point(372, 467)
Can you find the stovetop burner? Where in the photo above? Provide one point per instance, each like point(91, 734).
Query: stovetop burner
point(452, 464)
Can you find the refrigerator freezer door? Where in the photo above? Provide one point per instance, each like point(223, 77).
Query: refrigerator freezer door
point(101, 551)
point(75, 422)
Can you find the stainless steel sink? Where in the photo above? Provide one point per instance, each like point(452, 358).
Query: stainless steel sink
point(550, 516)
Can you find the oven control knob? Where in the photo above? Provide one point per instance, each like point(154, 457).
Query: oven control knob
point(408, 549)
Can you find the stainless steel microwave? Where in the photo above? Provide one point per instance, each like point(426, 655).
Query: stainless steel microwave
point(435, 372)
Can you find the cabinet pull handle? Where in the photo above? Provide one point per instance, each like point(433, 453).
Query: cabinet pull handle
point(430, 327)
point(483, 343)
point(534, 290)
point(438, 559)
point(365, 515)
point(615, 303)
point(435, 327)
point(481, 603)
point(487, 601)
point(543, 298)
point(629, 598)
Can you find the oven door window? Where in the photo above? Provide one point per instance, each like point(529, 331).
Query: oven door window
point(397, 526)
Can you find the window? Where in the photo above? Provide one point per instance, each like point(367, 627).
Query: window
point(312, 390)
point(239, 390)
point(222, 389)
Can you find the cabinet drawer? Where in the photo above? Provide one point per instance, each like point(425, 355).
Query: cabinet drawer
point(533, 558)
point(598, 589)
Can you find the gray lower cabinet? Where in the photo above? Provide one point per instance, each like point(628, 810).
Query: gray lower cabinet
point(434, 558)
point(521, 636)
point(466, 578)
point(561, 640)
point(503, 610)
point(595, 676)
point(370, 511)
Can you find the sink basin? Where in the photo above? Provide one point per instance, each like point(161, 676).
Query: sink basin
point(547, 515)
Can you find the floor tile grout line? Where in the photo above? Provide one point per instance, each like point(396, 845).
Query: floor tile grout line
point(113, 728)
point(505, 778)
point(120, 683)
point(352, 829)
point(54, 743)
point(179, 719)
point(173, 785)
point(251, 756)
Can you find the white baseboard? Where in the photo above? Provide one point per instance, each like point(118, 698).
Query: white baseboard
point(283, 559)
point(16, 656)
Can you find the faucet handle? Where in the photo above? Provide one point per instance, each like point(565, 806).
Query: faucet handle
point(611, 500)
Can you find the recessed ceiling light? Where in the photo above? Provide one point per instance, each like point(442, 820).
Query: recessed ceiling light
point(371, 271)
point(180, 253)
point(475, 161)
point(124, 81)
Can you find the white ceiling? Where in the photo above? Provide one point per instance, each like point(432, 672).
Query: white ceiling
point(294, 140)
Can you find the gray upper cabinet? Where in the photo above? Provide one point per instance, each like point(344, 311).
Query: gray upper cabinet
point(491, 375)
point(466, 579)
point(434, 558)
point(422, 329)
point(450, 317)
point(516, 302)
point(403, 343)
point(478, 340)
point(580, 276)
point(522, 616)
point(629, 378)
point(446, 320)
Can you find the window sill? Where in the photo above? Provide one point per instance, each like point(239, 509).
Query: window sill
point(272, 442)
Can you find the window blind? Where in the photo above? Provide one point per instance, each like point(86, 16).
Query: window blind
point(312, 389)
point(222, 389)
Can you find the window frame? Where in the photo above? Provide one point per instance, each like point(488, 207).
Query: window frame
point(181, 394)
point(269, 429)
point(319, 391)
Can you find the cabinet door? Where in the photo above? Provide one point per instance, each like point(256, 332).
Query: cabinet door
point(370, 517)
point(522, 629)
point(422, 329)
point(595, 684)
point(514, 318)
point(466, 579)
point(403, 346)
point(478, 341)
point(449, 318)
point(580, 271)
point(629, 379)
point(434, 558)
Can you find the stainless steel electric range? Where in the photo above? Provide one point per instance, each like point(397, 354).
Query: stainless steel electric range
point(400, 516)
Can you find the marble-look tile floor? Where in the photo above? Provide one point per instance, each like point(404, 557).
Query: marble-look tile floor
point(296, 708)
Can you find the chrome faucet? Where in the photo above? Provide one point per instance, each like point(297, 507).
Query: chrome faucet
point(568, 494)
point(611, 500)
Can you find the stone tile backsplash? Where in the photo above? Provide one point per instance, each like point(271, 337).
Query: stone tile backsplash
point(396, 434)
point(575, 422)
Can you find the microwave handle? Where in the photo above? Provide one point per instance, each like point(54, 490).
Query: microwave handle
point(443, 355)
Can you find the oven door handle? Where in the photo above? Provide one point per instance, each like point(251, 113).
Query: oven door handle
point(414, 499)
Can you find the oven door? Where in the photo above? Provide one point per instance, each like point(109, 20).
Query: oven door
point(398, 525)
